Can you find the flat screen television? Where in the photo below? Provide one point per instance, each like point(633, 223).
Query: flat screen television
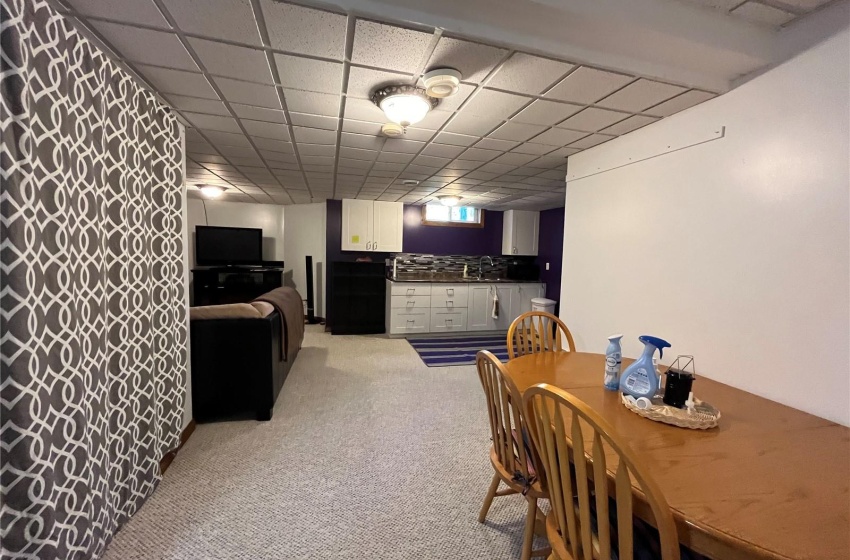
point(228, 246)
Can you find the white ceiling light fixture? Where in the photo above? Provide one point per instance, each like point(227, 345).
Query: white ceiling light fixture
point(442, 82)
point(211, 191)
point(392, 130)
point(404, 105)
point(449, 200)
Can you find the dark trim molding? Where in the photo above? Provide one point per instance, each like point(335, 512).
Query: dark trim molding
point(169, 457)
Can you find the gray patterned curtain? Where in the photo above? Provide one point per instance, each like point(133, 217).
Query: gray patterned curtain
point(92, 305)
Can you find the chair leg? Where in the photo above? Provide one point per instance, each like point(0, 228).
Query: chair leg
point(528, 537)
point(488, 500)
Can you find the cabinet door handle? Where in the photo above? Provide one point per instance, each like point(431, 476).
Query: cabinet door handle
point(368, 245)
point(410, 291)
point(450, 303)
point(450, 291)
point(514, 250)
point(374, 245)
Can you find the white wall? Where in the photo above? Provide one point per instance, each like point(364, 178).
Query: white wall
point(736, 250)
point(304, 234)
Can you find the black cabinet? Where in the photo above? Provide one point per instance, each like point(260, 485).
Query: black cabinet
point(359, 297)
point(215, 286)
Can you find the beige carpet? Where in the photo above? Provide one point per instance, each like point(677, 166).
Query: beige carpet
point(370, 455)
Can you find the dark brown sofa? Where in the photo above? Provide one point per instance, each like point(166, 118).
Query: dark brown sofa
point(241, 356)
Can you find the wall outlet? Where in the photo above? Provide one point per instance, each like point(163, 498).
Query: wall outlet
point(547, 266)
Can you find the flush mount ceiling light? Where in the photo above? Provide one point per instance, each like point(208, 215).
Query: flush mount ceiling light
point(211, 191)
point(442, 82)
point(404, 105)
point(449, 200)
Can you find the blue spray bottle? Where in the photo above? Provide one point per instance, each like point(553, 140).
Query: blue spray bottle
point(613, 363)
point(639, 379)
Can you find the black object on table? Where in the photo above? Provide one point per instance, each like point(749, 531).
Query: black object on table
point(216, 286)
point(358, 292)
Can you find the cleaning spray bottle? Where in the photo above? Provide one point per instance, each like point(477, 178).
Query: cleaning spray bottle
point(613, 362)
point(639, 379)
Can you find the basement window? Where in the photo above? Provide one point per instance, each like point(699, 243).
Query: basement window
point(452, 216)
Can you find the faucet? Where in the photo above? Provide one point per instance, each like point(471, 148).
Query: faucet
point(481, 266)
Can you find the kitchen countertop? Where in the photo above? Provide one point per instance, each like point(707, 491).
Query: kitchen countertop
point(448, 279)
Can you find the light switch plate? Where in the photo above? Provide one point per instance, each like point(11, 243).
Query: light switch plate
point(547, 266)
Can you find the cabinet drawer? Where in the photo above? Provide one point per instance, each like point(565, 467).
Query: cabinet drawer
point(403, 321)
point(410, 289)
point(448, 319)
point(412, 302)
point(449, 295)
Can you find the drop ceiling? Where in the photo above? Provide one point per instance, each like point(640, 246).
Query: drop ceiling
point(275, 96)
point(765, 12)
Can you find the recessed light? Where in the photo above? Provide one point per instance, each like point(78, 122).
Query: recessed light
point(211, 191)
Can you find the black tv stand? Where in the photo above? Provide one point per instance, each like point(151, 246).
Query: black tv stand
point(233, 284)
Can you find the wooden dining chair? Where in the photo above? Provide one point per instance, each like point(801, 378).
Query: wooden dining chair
point(537, 331)
point(555, 420)
point(513, 459)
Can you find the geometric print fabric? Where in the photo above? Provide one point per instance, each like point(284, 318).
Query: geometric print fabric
point(92, 302)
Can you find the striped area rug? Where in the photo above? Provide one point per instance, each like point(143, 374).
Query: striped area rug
point(458, 350)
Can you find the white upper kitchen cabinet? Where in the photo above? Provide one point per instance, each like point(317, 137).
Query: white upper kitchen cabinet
point(389, 220)
point(520, 231)
point(369, 225)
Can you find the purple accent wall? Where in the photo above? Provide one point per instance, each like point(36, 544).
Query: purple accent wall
point(550, 248)
point(436, 240)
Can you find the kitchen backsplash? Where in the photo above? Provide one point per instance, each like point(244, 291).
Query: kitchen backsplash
point(413, 263)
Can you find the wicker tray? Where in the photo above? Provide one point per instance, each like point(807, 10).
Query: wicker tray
point(703, 417)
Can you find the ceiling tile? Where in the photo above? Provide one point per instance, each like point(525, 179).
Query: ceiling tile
point(433, 120)
point(273, 145)
point(355, 163)
point(496, 167)
point(455, 139)
point(237, 151)
point(473, 60)
point(227, 138)
point(680, 103)
point(496, 144)
point(442, 150)
point(402, 146)
point(318, 160)
point(357, 153)
point(362, 82)
point(472, 125)
point(198, 105)
point(258, 113)
point(546, 113)
point(248, 93)
point(632, 123)
point(305, 30)
point(362, 127)
point(432, 161)
point(314, 135)
point(494, 104)
point(563, 152)
point(588, 85)
point(518, 132)
point(558, 137)
point(418, 134)
point(363, 110)
point(762, 13)
point(590, 141)
point(361, 141)
point(593, 119)
point(514, 158)
point(534, 149)
point(233, 62)
point(274, 131)
point(308, 74)
point(640, 95)
point(146, 46)
point(316, 150)
point(213, 122)
point(479, 154)
point(525, 73)
point(394, 157)
point(144, 12)
point(217, 19)
point(314, 121)
point(450, 104)
point(389, 47)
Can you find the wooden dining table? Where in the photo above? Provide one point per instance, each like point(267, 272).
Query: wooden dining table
point(770, 482)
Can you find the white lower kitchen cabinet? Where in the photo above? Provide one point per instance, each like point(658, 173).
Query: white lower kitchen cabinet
point(418, 307)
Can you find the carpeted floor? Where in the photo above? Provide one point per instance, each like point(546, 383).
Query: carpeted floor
point(370, 455)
